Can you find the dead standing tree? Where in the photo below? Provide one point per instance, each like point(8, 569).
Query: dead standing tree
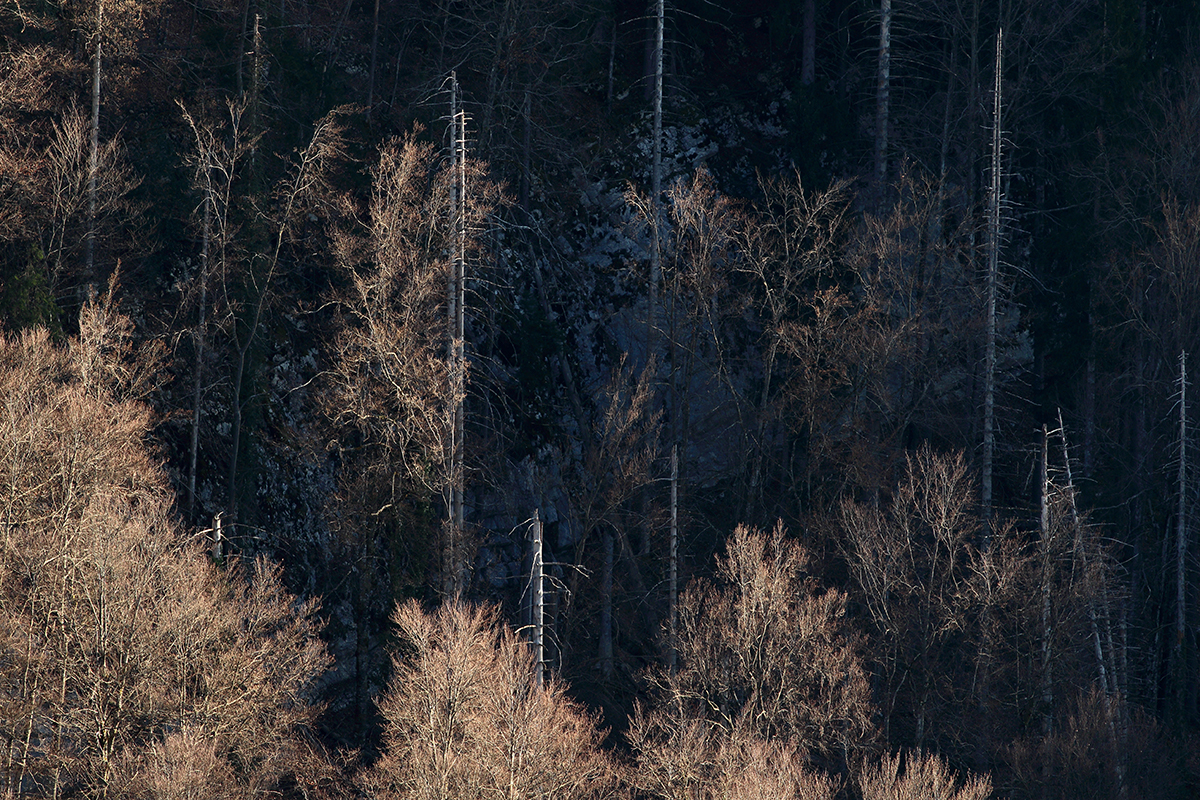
point(398, 374)
point(993, 268)
point(452, 550)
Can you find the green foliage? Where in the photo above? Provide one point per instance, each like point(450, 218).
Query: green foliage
point(26, 300)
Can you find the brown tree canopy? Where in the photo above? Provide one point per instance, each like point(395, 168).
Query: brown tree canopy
point(129, 663)
point(764, 649)
point(465, 718)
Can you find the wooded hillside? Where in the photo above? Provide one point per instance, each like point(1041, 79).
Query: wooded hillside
point(591, 398)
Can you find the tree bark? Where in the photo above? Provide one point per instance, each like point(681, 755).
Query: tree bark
point(374, 57)
point(1047, 688)
point(199, 339)
point(89, 267)
point(606, 608)
point(882, 96)
point(989, 391)
point(673, 586)
point(1181, 536)
point(1105, 668)
point(526, 151)
point(539, 603)
point(655, 185)
point(808, 68)
point(455, 351)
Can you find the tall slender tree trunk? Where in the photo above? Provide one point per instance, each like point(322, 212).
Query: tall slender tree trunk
point(883, 82)
point(993, 268)
point(971, 152)
point(1047, 686)
point(808, 62)
point(374, 60)
point(496, 74)
point(256, 76)
point(1105, 667)
point(1178, 649)
point(89, 267)
point(1089, 396)
point(537, 589)
point(1080, 560)
point(200, 339)
point(656, 185)
point(362, 632)
point(612, 59)
point(455, 345)
point(673, 585)
point(235, 447)
point(939, 218)
point(526, 150)
point(606, 607)
point(247, 8)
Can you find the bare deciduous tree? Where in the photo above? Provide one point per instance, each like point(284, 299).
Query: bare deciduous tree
point(118, 630)
point(793, 242)
point(925, 775)
point(465, 717)
point(389, 377)
point(766, 650)
point(928, 590)
point(75, 208)
point(392, 396)
point(688, 759)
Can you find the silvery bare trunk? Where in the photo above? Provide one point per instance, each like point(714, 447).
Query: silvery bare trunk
point(656, 183)
point(673, 587)
point(456, 329)
point(1181, 537)
point(989, 391)
point(1047, 688)
point(537, 588)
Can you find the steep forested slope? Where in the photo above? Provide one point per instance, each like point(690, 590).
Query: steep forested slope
point(803, 326)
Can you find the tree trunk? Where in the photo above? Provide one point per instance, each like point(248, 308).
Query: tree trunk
point(612, 58)
point(218, 538)
point(235, 446)
point(1178, 649)
point(526, 151)
point(456, 322)
point(606, 608)
point(256, 74)
point(247, 7)
point(89, 267)
point(374, 58)
point(882, 97)
point(673, 586)
point(539, 603)
point(199, 338)
point(503, 35)
point(808, 64)
point(655, 185)
point(1105, 668)
point(362, 634)
point(989, 391)
point(1047, 689)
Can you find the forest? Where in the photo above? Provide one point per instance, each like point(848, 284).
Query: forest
point(676, 399)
